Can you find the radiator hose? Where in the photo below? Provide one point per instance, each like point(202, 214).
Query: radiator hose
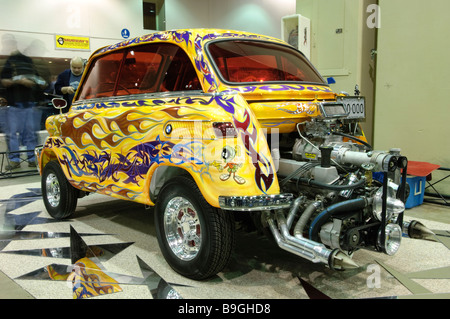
point(333, 210)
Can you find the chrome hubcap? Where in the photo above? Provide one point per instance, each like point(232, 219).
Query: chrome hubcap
point(182, 228)
point(53, 190)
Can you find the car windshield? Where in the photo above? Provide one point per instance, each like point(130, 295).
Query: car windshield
point(253, 61)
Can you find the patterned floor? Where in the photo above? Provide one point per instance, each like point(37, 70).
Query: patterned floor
point(109, 251)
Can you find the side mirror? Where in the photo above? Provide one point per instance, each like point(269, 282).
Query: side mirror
point(59, 103)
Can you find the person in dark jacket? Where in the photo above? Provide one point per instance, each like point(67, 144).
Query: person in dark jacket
point(21, 80)
point(68, 81)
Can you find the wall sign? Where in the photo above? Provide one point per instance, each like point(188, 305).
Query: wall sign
point(125, 33)
point(69, 42)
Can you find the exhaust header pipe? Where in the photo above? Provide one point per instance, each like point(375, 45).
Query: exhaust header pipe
point(305, 248)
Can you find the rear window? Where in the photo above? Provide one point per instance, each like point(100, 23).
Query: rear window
point(252, 61)
point(142, 69)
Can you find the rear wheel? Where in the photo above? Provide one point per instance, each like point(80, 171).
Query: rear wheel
point(60, 198)
point(195, 238)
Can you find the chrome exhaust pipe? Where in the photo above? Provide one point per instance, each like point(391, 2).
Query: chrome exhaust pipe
point(305, 248)
point(319, 251)
point(288, 247)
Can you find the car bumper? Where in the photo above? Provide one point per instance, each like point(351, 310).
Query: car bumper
point(255, 203)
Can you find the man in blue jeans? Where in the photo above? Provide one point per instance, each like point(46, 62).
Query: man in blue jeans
point(22, 82)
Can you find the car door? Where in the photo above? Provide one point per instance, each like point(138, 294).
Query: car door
point(115, 125)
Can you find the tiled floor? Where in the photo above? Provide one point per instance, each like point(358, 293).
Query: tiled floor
point(37, 252)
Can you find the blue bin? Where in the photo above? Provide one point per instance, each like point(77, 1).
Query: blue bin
point(416, 191)
point(378, 176)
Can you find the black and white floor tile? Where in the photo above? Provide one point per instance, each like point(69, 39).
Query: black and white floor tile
point(108, 250)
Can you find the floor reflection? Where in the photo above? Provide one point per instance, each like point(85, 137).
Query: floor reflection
point(103, 252)
point(86, 274)
point(10, 221)
point(88, 280)
point(27, 235)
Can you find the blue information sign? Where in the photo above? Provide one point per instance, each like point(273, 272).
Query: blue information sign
point(125, 33)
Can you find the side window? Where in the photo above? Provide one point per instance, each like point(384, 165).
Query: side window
point(143, 69)
point(156, 68)
point(180, 74)
point(139, 71)
point(101, 78)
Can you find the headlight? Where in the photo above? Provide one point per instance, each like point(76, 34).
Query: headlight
point(393, 205)
point(393, 237)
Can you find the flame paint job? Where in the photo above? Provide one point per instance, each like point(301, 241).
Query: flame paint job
point(114, 146)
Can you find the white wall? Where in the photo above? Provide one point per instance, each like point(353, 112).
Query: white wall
point(185, 14)
point(259, 16)
point(412, 102)
point(345, 55)
point(34, 23)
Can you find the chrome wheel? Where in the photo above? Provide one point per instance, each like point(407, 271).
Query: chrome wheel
point(60, 197)
point(53, 190)
point(196, 239)
point(182, 228)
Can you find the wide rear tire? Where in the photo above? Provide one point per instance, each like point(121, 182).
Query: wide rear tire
point(195, 238)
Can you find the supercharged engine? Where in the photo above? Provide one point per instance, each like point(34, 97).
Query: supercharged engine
point(347, 196)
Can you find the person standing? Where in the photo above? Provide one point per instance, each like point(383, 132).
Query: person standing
point(21, 81)
point(68, 81)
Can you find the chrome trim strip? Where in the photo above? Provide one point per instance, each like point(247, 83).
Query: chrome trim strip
point(255, 203)
point(37, 156)
point(143, 96)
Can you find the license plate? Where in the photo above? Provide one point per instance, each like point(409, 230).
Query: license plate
point(355, 106)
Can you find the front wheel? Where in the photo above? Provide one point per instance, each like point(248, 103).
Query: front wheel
point(195, 238)
point(60, 198)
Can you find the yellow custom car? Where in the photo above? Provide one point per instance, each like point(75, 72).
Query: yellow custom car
point(209, 126)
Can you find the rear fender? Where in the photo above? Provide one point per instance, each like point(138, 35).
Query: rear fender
point(236, 164)
point(240, 165)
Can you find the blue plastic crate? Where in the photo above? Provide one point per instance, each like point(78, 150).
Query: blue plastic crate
point(378, 176)
point(416, 191)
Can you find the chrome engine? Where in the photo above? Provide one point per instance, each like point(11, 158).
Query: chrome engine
point(347, 196)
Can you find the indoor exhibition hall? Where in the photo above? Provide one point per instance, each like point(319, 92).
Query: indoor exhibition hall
point(240, 156)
